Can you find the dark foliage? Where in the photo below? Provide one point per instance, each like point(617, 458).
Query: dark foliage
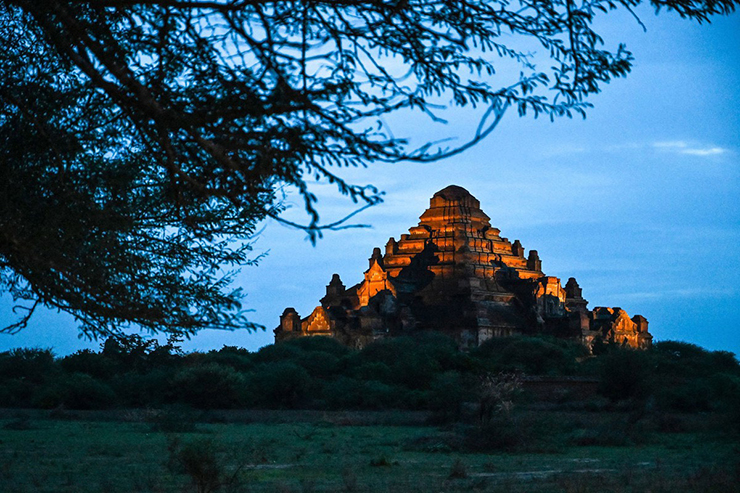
point(535, 356)
point(143, 389)
point(86, 361)
point(425, 372)
point(239, 359)
point(209, 386)
point(282, 384)
point(143, 141)
point(202, 460)
point(448, 392)
point(624, 373)
point(75, 391)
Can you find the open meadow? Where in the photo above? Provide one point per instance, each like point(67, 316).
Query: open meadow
point(179, 450)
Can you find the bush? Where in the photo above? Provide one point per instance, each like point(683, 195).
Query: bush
point(531, 355)
point(372, 371)
point(535, 357)
point(17, 392)
point(342, 393)
point(239, 359)
point(377, 395)
point(202, 461)
point(320, 344)
point(387, 351)
point(129, 350)
point(210, 386)
point(458, 470)
point(724, 389)
point(136, 389)
point(319, 364)
point(275, 353)
point(687, 396)
point(90, 363)
point(624, 374)
point(31, 364)
point(75, 391)
point(412, 362)
point(689, 360)
point(280, 385)
point(448, 391)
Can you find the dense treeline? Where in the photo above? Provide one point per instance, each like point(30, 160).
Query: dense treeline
point(424, 372)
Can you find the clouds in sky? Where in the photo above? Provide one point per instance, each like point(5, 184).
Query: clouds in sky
point(682, 147)
point(689, 148)
point(685, 293)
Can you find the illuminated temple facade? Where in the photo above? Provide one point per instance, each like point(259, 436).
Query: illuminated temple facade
point(455, 274)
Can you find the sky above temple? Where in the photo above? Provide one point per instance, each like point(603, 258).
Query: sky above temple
point(640, 201)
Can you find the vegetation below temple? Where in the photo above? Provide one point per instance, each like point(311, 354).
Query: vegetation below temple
point(421, 373)
point(401, 415)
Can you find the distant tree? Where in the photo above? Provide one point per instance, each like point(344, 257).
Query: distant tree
point(31, 364)
point(625, 373)
point(209, 386)
point(144, 140)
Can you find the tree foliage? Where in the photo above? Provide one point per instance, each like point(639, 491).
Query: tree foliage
point(419, 372)
point(144, 140)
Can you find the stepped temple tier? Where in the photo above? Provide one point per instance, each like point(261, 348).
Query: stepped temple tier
point(455, 274)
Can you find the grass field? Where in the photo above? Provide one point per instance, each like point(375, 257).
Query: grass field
point(150, 452)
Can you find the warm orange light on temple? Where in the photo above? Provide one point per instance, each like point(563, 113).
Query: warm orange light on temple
point(455, 274)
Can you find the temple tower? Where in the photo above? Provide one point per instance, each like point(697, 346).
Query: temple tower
point(455, 273)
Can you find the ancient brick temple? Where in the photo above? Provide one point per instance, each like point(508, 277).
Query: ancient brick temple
point(455, 274)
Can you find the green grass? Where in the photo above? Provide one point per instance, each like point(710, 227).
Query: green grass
point(53, 455)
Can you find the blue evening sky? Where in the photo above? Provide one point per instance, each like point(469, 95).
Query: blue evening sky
point(640, 201)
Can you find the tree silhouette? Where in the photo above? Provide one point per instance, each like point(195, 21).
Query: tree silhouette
point(144, 140)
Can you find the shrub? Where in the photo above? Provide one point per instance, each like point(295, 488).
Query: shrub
point(342, 393)
point(377, 395)
point(275, 353)
point(387, 351)
point(282, 384)
point(128, 350)
point(689, 360)
point(200, 460)
point(446, 395)
point(320, 344)
point(537, 357)
point(458, 470)
point(686, 396)
point(239, 359)
point(372, 371)
point(725, 389)
point(382, 461)
point(319, 363)
point(16, 392)
point(624, 374)
point(415, 371)
point(152, 388)
point(532, 355)
point(90, 363)
point(75, 391)
point(209, 386)
point(412, 362)
point(491, 348)
point(31, 364)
